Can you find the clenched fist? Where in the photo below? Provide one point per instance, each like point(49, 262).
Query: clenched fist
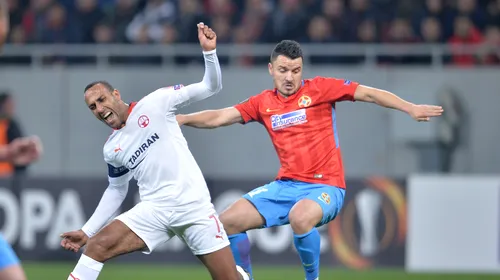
point(207, 37)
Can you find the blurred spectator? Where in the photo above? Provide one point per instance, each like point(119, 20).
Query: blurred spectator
point(256, 18)
point(430, 30)
point(470, 9)
point(455, 22)
point(34, 18)
point(400, 31)
point(464, 33)
point(170, 34)
point(493, 13)
point(16, 11)
point(223, 27)
point(319, 31)
point(190, 13)
point(119, 16)
point(103, 34)
point(490, 51)
point(288, 22)
point(88, 15)
point(147, 25)
point(334, 12)
point(435, 9)
point(367, 32)
point(58, 27)
point(18, 35)
point(9, 130)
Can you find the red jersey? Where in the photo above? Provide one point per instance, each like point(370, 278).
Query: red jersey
point(303, 128)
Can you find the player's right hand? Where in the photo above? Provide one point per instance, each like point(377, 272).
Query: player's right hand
point(74, 240)
point(207, 37)
point(180, 119)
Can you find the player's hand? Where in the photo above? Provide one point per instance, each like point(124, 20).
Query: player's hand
point(207, 37)
point(74, 240)
point(424, 113)
point(180, 119)
point(25, 150)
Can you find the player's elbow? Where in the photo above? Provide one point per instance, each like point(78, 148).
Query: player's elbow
point(215, 88)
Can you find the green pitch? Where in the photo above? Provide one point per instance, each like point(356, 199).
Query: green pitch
point(49, 271)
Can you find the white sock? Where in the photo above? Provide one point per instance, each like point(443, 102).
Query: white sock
point(242, 272)
point(86, 269)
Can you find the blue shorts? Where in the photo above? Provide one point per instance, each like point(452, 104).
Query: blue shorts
point(275, 200)
point(7, 255)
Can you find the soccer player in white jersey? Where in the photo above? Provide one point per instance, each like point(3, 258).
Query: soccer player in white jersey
point(147, 144)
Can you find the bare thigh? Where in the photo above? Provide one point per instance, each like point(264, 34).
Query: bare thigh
point(221, 264)
point(113, 240)
point(241, 216)
point(13, 272)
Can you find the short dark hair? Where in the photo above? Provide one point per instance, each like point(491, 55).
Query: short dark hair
point(106, 84)
point(288, 48)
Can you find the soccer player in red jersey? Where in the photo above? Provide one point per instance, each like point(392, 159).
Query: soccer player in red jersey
point(300, 117)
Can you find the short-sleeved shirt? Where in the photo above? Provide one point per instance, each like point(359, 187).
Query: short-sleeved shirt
point(303, 128)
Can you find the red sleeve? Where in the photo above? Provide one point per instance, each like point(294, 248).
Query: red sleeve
point(334, 90)
point(249, 109)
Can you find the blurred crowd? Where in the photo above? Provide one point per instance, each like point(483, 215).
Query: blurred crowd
point(263, 21)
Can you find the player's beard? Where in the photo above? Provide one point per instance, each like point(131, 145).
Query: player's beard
point(288, 89)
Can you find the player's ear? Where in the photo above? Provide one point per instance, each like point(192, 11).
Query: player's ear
point(270, 67)
point(116, 94)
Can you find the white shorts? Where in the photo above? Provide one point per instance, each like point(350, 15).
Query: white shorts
point(200, 228)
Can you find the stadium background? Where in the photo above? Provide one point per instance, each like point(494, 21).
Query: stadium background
point(443, 52)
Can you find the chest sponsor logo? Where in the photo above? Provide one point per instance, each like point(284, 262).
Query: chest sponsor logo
point(288, 119)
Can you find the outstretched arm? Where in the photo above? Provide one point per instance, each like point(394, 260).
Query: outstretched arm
point(111, 200)
point(389, 100)
point(171, 98)
point(211, 118)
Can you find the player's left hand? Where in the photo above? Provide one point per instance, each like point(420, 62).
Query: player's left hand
point(207, 37)
point(424, 113)
point(25, 150)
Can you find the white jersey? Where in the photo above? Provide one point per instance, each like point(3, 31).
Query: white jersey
point(151, 148)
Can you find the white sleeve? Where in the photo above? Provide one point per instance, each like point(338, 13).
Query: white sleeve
point(111, 200)
point(172, 98)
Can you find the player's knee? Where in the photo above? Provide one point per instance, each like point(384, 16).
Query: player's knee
point(231, 225)
point(99, 248)
point(303, 217)
point(300, 223)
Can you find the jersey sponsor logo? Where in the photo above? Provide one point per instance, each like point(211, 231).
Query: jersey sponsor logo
point(304, 101)
point(141, 150)
point(289, 119)
point(176, 87)
point(143, 121)
point(347, 82)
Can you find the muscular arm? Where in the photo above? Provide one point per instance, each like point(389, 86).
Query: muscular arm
point(211, 118)
point(390, 100)
point(383, 98)
point(110, 203)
